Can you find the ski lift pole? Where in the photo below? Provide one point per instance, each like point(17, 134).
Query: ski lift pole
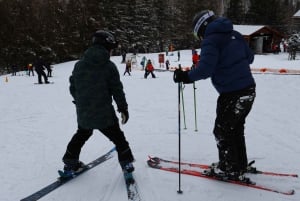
point(195, 106)
point(179, 191)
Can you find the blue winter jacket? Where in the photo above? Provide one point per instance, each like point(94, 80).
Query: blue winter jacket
point(225, 57)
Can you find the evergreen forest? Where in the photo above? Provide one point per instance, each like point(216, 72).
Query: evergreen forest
point(60, 30)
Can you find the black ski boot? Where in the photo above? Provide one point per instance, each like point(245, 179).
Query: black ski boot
point(216, 171)
point(71, 169)
point(127, 166)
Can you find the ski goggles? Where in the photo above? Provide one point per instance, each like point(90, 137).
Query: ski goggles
point(196, 36)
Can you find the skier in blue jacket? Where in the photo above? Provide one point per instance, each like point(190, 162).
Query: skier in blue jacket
point(226, 59)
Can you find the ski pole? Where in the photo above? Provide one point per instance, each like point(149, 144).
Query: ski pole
point(183, 111)
point(195, 106)
point(179, 191)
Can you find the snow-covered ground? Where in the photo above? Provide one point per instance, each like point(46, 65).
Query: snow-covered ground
point(37, 122)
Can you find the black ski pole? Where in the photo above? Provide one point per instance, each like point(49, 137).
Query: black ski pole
point(179, 191)
point(195, 106)
point(183, 110)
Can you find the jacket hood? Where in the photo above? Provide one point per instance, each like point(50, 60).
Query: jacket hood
point(96, 55)
point(219, 25)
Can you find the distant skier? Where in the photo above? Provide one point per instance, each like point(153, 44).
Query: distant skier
point(39, 66)
point(127, 67)
point(49, 69)
point(195, 58)
point(30, 69)
point(94, 83)
point(149, 69)
point(225, 57)
point(143, 62)
point(123, 55)
point(14, 70)
point(167, 64)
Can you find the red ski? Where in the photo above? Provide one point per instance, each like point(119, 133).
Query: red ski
point(154, 163)
point(204, 166)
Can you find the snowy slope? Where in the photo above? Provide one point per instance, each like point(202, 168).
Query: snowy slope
point(37, 122)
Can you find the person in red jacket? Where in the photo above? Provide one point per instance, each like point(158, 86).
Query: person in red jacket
point(149, 69)
point(30, 69)
point(195, 58)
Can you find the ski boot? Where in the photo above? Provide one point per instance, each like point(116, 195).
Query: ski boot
point(250, 169)
point(216, 171)
point(127, 168)
point(71, 169)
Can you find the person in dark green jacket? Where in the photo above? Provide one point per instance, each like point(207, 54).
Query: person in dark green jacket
point(94, 84)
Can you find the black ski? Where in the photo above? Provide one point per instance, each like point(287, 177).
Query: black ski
point(132, 187)
point(61, 181)
point(44, 83)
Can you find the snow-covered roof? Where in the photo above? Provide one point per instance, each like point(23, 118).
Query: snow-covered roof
point(247, 30)
point(297, 14)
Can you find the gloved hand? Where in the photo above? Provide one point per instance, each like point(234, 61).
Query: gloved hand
point(124, 115)
point(181, 76)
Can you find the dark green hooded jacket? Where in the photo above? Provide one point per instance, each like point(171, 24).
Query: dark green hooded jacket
point(94, 84)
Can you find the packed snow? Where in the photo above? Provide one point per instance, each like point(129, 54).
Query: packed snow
point(37, 122)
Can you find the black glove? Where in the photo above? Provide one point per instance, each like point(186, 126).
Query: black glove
point(124, 115)
point(181, 76)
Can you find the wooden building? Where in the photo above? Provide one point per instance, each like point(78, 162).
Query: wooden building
point(260, 38)
point(296, 21)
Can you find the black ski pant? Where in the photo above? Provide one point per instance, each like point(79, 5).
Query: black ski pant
point(40, 75)
point(127, 71)
point(232, 110)
point(147, 73)
point(113, 133)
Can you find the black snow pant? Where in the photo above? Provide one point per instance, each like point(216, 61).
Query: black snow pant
point(40, 75)
point(127, 71)
point(113, 133)
point(232, 110)
point(147, 73)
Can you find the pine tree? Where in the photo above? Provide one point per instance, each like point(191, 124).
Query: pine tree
point(236, 11)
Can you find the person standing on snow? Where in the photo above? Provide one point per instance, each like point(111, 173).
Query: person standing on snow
point(30, 69)
point(49, 69)
point(143, 62)
point(39, 67)
point(195, 58)
point(94, 83)
point(167, 64)
point(127, 67)
point(149, 69)
point(225, 57)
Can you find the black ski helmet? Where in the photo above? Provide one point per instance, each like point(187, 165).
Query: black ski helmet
point(105, 38)
point(200, 22)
